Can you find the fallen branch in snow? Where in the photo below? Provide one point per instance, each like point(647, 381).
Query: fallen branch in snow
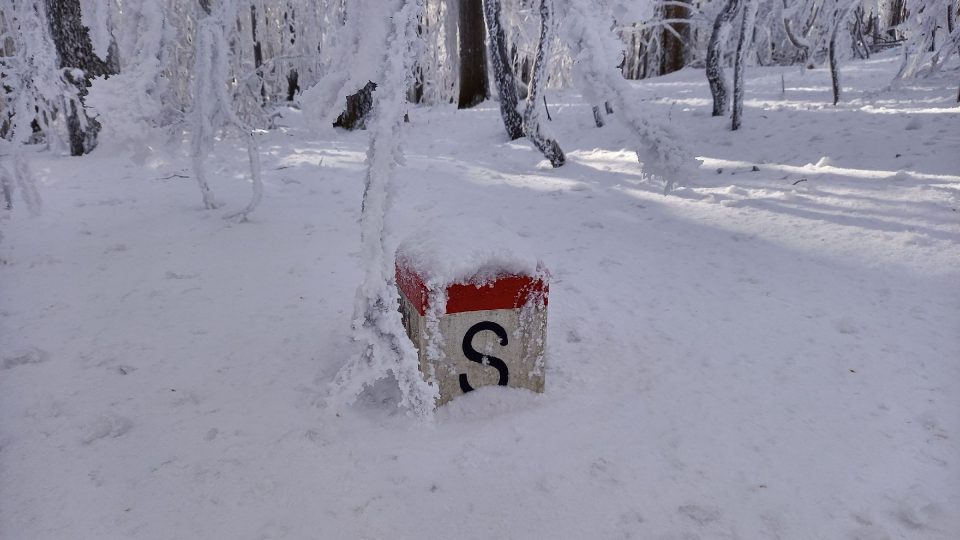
point(800, 180)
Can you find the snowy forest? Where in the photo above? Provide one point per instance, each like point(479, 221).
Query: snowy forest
point(281, 269)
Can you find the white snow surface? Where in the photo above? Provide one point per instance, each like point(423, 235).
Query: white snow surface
point(769, 353)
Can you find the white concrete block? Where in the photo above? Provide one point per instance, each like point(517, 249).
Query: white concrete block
point(489, 332)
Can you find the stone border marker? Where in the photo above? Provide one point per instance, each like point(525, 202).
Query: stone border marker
point(492, 330)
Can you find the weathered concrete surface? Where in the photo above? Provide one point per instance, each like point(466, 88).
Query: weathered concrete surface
point(517, 363)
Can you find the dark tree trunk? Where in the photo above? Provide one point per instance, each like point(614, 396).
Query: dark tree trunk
point(293, 84)
point(951, 18)
point(473, 58)
point(898, 14)
point(952, 23)
point(75, 51)
point(832, 52)
point(359, 106)
point(718, 86)
point(257, 53)
point(415, 93)
point(502, 71)
point(673, 57)
point(834, 68)
point(293, 76)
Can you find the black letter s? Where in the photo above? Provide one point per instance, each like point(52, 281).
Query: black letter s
point(477, 357)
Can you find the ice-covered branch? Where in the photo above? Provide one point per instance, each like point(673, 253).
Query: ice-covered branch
point(531, 118)
point(377, 324)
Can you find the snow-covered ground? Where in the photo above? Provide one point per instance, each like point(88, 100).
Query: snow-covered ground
point(771, 351)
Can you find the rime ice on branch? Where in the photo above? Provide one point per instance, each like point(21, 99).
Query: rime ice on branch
point(502, 70)
point(377, 325)
point(531, 120)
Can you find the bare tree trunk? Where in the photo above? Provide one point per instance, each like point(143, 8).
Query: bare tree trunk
point(834, 68)
point(293, 76)
point(952, 23)
point(898, 14)
point(674, 38)
point(473, 58)
point(502, 71)
point(743, 45)
point(257, 53)
point(74, 49)
point(718, 86)
point(531, 123)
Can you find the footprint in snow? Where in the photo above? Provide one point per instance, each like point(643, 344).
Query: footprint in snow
point(845, 326)
point(870, 532)
point(107, 426)
point(32, 355)
point(700, 514)
point(174, 275)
